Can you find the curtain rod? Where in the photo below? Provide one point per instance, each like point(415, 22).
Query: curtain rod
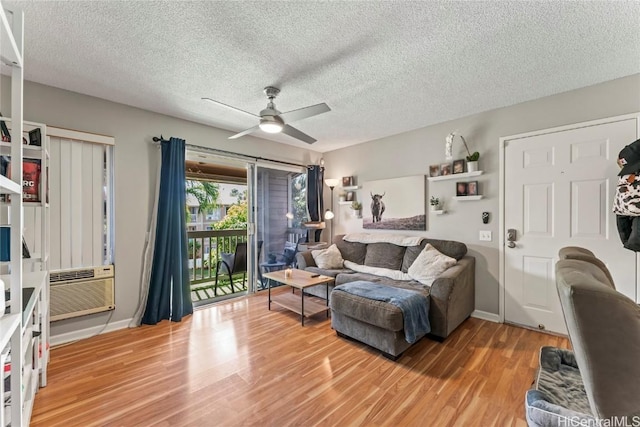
point(160, 139)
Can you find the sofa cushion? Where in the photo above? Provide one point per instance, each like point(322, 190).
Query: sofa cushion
point(448, 247)
point(430, 264)
point(351, 251)
point(329, 258)
point(384, 255)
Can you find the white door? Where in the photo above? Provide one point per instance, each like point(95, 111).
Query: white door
point(559, 189)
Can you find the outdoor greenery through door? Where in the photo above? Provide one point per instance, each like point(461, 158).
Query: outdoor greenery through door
point(216, 223)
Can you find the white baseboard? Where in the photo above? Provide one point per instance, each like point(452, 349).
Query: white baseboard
point(485, 315)
point(88, 332)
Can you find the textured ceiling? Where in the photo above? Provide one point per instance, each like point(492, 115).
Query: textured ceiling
point(383, 67)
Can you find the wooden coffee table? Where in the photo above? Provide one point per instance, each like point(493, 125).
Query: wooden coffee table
point(299, 279)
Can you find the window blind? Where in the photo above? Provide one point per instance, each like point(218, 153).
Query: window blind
point(80, 203)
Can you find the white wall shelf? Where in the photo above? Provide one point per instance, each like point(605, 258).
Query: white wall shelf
point(455, 176)
point(8, 324)
point(25, 147)
point(352, 187)
point(345, 203)
point(8, 186)
point(439, 212)
point(467, 198)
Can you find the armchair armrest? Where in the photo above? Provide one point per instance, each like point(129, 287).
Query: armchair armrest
point(452, 297)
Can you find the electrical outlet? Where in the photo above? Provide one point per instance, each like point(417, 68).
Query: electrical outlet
point(485, 235)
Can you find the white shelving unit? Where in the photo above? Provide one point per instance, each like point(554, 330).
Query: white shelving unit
point(35, 278)
point(24, 330)
point(11, 37)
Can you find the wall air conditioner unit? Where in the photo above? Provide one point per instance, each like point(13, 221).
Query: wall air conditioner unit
point(81, 291)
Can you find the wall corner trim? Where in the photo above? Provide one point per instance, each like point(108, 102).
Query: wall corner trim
point(485, 315)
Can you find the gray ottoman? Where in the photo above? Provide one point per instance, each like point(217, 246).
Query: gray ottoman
point(375, 323)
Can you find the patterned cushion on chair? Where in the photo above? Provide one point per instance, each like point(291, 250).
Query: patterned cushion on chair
point(558, 394)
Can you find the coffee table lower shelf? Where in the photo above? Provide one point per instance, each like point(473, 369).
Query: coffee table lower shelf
point(294, 303)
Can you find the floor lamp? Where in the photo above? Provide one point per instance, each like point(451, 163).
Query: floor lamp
point(329, 214)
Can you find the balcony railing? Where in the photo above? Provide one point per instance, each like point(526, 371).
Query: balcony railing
point(205, 248)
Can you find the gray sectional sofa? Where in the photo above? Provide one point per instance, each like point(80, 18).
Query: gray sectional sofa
point(451, 295)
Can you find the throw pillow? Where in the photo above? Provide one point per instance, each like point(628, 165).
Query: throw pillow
point(384, 255)
point(329, 258)
point(429, 265)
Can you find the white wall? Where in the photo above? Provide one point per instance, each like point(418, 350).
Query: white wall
point(135, 172)
point(411, 153)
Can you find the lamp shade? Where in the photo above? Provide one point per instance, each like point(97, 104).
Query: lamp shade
point(328, 214)
point(331, 182)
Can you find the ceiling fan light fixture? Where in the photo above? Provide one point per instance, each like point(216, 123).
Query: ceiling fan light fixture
point(271, 124)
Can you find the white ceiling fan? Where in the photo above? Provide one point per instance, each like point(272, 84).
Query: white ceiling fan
point(273, 121)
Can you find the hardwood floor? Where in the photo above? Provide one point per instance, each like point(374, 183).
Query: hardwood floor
point(237, 363)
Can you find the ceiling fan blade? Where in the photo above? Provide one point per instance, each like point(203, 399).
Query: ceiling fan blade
point(303, 113)
point(230, 107)
point(291, 131)
point(244, 132)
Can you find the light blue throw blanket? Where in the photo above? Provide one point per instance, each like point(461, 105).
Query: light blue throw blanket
point(414, 305)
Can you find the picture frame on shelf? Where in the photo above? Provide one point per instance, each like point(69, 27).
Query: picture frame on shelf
point(458, 166)
point(347, 181)
point(462, 189)
point(472, 188)
point(445, 169)
point(434, 170)
point(350, 196)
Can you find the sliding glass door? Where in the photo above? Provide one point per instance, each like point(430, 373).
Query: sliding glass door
point(279, 209)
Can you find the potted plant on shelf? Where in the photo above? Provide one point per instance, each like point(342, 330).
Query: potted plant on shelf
point(472, 161)
point(356, 208)
point(472, 158)
point(435, 203)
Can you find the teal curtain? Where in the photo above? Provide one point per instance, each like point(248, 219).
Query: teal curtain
point(169, 294)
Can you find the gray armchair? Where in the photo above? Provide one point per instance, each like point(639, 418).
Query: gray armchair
point(600, 378)
point(604, 327)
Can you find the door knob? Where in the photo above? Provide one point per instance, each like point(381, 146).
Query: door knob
point(511, 237)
